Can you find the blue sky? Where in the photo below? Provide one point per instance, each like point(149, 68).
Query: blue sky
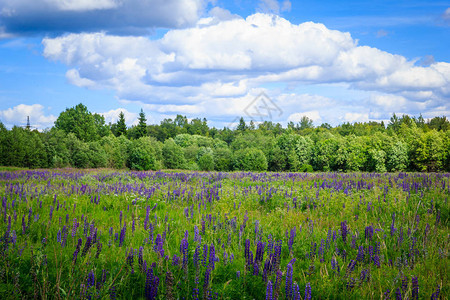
point(333, 61)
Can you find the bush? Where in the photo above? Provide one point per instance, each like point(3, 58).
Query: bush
point(142, 155)
point(223, 158)
point(173, 155)
point(206, 162)
point(250, 159)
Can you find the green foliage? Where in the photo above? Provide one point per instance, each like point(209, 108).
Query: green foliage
point(250, 159)
point(121, 127)
point(173, 155)
point(223, 158)
point(116, 150)
point(142, 155)
point(206, 162)
point(141, 130)
point(81, 139)
point(397, 157)
point(82, 123)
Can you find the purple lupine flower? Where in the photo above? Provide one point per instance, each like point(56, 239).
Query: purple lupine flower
point(344, 231)
point(387, 294)
point(206, 282)
point(351, 284)
point(259, 252)
point(278, 279)
point(255, 269)
point(291, 238)
point(196, 256)
point(205, 255)
point(368, 233)
point(238, 274)
point(376, 260)
point(269, 291)
point(296, 292)
point(212, 256)
point(247, 251)
point(91, 279)
point(87, 246)
point(133, 226)
point(122, 234)
point(74, 227)
point(308, 291)
point(141, 257)
point(335, 265)
point(360, 255)
point(112, 292)
point(288, 287)
point(435, 295)
point(404, 283)
point(415, 287)
point(351, 266)
point(398, 294)
point(184, 250)
point(99, 249)
point(75, 253)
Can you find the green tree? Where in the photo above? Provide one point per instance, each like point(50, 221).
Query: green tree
point(143, 154)
point(223, 158)
point(397, 157)
point(96, 155)
point(173, 155)
point(116, 149)
point(250, 159)
point(79, 121)
point(206, 162)
point(142, 125)
point(241, 126)
point(121, 127)
point(305, 123)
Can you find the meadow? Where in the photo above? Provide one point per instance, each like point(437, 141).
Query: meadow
point(104, 234)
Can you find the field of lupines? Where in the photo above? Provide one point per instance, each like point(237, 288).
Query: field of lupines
point(167, 235)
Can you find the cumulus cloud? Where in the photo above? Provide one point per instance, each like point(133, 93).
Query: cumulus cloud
point(313, 115)
point(113, 115)
point(227, 60)
point(122, 16)
point(38, 118)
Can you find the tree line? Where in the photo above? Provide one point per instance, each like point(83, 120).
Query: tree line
point(82, 139)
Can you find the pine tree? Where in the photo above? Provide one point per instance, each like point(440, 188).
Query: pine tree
point(121, 126)
point(142, 126)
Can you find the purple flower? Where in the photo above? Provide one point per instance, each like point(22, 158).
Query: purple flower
point(308, 291)
point(212, 256)
point(415, 287)
point(435, 295)
point(269, 291)
point(344, 231)
point(122, 234)
point(288, 287)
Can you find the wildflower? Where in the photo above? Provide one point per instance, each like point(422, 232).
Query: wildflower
point(269, 291)
point(288, 288)
point(308, 291)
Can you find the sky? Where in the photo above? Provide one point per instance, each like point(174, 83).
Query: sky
point(266, 60)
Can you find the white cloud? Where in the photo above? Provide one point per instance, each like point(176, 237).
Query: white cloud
point(83, 5)
point(123, 16)
point(18, 116)
point(313, 115)
point(356, 117)
point(113, 115)
point(226, 60)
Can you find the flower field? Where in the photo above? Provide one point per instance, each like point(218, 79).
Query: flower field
point(194, 235)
